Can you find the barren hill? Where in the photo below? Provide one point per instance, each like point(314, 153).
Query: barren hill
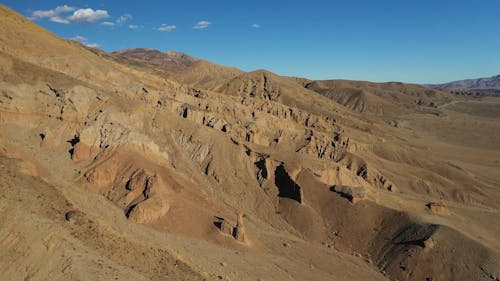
point(380, 98)
point(117, 169)
point(206, 75)
point(182, 67)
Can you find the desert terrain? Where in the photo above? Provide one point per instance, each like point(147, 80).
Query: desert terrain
point(143, 165)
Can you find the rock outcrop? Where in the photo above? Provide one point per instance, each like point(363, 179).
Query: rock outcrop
point(239, 231)
point(92, 145)
point(438, 208)
point(353, 194)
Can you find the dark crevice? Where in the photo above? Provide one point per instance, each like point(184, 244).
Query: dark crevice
point(128, 185)
point(248, 136)
point(261, 171)
point(184, 111)
point(129, 210)
point(207, 167)
point(261, 165)
point(73, 142)
point(286, 186)
point(362, 171)
point(218, 223)
point(58, 93)
point(147, 188)
point(342, 194)
point(248, 151)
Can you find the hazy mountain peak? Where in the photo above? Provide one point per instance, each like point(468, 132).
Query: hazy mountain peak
point(157, 57)
point(484, 84)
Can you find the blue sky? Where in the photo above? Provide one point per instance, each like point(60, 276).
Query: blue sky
point(424, 41)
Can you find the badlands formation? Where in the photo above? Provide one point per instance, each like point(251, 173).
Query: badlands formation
point(166, 167)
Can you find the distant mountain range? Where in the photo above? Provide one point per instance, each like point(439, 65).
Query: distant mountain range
point(490, 84)
point(361, 96)
point(172, 58)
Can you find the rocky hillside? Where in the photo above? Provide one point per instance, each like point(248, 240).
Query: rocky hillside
point(382, 99)
point(112, 169)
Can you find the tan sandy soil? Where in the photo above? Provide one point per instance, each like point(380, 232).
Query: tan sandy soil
point(112, 168)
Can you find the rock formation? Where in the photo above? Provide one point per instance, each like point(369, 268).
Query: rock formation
point(239, 230)
point(438, 208)
point(114, 168)
point(353, 194)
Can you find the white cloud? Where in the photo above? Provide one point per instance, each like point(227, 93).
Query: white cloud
point(62, 14)
point(108, 23)
point(255, 25)
point(165, 27)
point(78, 38)
point(92, 45)
point(202, 24)
point(58, 19)
point(135, 26)
point(123, 18)
point(87, 15)
point(84, 41)
point(54, 13)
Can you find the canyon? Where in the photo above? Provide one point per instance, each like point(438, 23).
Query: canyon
point(128, 166)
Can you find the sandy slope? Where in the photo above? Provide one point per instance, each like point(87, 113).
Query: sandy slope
point(112, 169)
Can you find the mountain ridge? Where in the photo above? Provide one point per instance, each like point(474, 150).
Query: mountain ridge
point(119, 169)
point(484, 84)
point(155, 56)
